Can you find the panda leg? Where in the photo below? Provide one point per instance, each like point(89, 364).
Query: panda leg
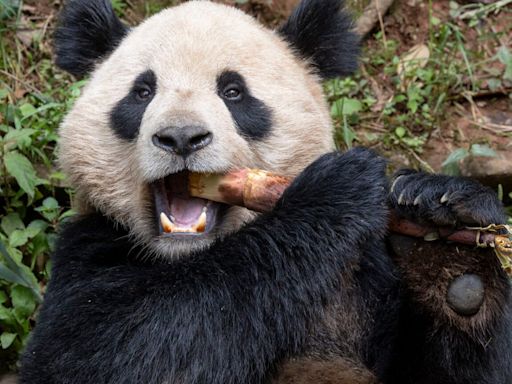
point(456, 320)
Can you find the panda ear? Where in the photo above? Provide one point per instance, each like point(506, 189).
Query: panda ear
point(87, 31)
point(321, 32)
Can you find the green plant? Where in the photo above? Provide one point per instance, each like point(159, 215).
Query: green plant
point(34, 204)
point(451, 166)
point(34, 197)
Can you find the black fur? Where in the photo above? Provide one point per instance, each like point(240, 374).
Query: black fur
point(445, 200)
point(127, 115)
point(430, 352)
point(435, 344)
point(252, 117)
point(321, 31)
point(226, 315)
point(88, 30)
point(233, 313)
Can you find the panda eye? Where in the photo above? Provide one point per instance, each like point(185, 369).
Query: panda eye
point(233, 92)
point(143, 93)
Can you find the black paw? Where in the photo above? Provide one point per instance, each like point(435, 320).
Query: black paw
point(444, 200)
point(339, 187)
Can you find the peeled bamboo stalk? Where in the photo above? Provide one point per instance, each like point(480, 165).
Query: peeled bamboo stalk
point(250, 188)
point(259, 191)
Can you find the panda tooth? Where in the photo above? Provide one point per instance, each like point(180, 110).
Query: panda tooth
point(200, 226)
point(167, 224)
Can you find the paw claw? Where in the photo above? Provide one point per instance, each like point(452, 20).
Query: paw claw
point(417, 200)
point(401, 199)
point(445, 198)
point(394, 183)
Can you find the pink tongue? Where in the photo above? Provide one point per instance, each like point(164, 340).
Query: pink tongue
point(187, 211)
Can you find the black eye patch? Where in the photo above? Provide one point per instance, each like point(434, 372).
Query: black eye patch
point(252, 117)
point(126, 116)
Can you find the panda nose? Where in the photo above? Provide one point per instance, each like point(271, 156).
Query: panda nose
point(183, 140)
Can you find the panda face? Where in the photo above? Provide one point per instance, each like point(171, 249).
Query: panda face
point(199, 88)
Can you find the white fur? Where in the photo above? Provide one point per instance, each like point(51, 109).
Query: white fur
point(187, 47)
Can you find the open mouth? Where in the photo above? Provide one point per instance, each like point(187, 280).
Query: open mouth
point(178, 213)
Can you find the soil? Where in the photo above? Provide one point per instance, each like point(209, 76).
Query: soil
point(466, 122)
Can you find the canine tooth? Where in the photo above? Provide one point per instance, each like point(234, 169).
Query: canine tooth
point(167, 224)
point(201, 223)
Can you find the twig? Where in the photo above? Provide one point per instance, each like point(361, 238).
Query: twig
point(496, 128)
point(484, 10)
point(482, 94)
point(34, 89)
point(421, 161)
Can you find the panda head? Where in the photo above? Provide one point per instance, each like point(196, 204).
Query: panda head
point(200, 87)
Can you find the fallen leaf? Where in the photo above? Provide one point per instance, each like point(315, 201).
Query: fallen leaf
point(416, 57)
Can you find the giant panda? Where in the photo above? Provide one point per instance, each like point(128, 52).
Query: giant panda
point(315, 291)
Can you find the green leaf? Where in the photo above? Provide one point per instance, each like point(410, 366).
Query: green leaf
point(35, 228)
point(494, 84)
point(18, 238)
point(66, 214)
point(345, 107)
point(8, 275)
point(483, 150)
point(11, 222)
point(400, 132)
point(435, 21)
point(23, 300)
point(351, 106)
point(27, 110)
point(49, 209)
point(3, 297)
point(14, 272)
point(5, 314)
point(22, 170)
point(6, 339)
point(412, 105)
point(50, 203)
point(451, 164)
point(505, 57)
point(3, 93)
point(19, 137)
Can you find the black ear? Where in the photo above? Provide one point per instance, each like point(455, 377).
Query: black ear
point(321, 31)
point(87, 31)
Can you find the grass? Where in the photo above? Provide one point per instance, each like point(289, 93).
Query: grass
point(400, 97)
point(396, 103)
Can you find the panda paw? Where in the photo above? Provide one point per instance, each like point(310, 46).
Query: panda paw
point(444, 200)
